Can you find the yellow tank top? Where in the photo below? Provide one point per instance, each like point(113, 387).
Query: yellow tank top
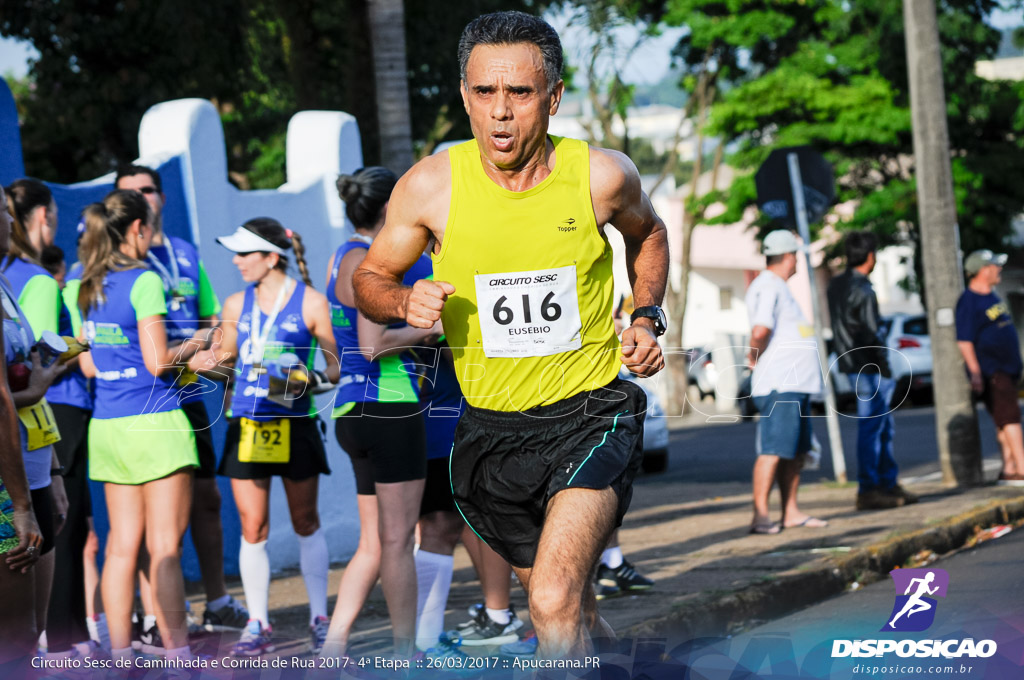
point(530, 322)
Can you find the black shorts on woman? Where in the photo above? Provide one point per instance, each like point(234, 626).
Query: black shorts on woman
point(307, 455)
point(506, 466)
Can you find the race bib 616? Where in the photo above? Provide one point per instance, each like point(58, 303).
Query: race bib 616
point(529, 314)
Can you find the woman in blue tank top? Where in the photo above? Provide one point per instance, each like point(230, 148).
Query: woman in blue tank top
point(20, 535)
point(379, 424)
point(271, 332)
point(141, 444)
point(34, 226)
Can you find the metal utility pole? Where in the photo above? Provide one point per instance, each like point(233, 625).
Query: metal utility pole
point(835, 438)
point(956, 422)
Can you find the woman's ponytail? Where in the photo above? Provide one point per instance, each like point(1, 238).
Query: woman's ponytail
point(99, 249)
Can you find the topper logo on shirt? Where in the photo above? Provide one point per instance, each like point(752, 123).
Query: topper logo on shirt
point(567, 225)
point(914, 610)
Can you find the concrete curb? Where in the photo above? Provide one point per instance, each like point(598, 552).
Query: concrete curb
point(717, 614)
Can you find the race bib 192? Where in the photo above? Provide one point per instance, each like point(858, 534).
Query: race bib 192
point(529, 314)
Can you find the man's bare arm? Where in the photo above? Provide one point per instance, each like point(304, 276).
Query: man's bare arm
point(973, 367)
point(621, 202)
point(416, 213)
point(759, 338)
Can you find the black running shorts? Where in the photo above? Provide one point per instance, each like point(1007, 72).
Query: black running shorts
point(437, 491)
point(505, 467)
point(387, 443)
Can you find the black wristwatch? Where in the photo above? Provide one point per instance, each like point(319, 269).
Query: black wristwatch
point(653, 312)
point(57, 471)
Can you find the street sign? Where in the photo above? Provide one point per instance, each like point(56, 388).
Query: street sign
point(775, 192)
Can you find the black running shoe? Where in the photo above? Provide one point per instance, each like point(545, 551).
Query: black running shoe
point(605, 584)
point(486, 631)
point(627, 577)
point(152, 643)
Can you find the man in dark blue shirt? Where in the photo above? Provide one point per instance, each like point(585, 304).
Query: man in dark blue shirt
point(988, 342)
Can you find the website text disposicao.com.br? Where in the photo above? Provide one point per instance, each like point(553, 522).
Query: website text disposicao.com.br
point(911, 670)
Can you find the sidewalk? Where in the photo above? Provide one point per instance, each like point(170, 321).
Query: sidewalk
point(712, 577)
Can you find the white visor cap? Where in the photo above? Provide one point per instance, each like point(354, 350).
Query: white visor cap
point(245, 241)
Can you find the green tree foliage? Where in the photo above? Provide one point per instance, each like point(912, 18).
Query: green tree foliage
point(832, 74)
point(102, 64)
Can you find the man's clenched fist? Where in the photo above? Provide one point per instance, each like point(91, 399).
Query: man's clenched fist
point(425, 302)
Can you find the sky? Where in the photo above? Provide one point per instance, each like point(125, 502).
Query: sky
point(649, 64)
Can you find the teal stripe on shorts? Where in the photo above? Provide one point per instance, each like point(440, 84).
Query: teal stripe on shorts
point(140, 449)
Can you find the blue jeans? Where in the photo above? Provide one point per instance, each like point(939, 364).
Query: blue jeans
point(876, 467)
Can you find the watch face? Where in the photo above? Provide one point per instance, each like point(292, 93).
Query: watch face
point(662, 319)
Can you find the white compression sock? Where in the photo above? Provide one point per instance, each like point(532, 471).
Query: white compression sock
point(612, 557)
point(433, 581)
point(179, 653)
point(98, 630)
point(314, 563)
point(254, 566)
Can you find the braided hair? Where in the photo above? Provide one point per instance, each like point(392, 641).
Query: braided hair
point(271, 230)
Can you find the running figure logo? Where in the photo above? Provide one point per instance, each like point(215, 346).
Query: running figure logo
point(914, 609)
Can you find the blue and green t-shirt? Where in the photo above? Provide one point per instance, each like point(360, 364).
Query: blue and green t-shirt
point(189, 296)
point(390, 379)
point(124, 386)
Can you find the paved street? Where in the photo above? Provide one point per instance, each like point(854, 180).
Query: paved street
point(984, 601)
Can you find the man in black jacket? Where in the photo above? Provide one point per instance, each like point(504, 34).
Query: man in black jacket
point(863, 356)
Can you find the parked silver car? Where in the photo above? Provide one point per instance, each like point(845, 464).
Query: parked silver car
point(703, 374)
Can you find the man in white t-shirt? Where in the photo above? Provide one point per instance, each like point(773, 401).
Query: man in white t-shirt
point(783, 354)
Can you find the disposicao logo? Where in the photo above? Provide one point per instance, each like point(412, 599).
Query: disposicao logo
point(912, 612)
point(916, 589)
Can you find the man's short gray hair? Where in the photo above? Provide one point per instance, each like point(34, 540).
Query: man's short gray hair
point(510, 28)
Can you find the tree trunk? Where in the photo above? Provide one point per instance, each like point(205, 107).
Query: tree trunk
point(387, 33)
point(678, 363)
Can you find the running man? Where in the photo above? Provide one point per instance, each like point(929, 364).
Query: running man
point(544, 459)
point(915, 604)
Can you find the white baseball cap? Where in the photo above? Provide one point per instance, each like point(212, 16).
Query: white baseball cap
point(245, 241)
point(780, 242)
point(982, 258)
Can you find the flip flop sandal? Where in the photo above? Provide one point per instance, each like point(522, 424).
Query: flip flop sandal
point(810, 523)
point(769, 529)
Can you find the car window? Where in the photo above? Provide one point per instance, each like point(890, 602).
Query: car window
point(916, 325)
point(884, 326)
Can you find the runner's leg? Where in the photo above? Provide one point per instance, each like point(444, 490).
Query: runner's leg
point(358, 579)
point(398, 506)
point(494, 572)
point(577, 525)
point(439, 534)
point(167, 502)
point(252, 497)
point(208, 536)
point(127, 524)
point(313, 559)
